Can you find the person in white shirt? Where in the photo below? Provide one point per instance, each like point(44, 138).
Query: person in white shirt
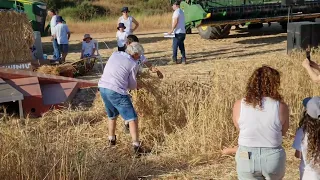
point(121, 37)
point(62, 33)
point(307, 140)
point(53, 23)
point(179, 30)
point(128, 21)
point(88, 47)
point(262, 118)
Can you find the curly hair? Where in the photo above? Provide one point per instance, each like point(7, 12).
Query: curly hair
point(311, 127)
point(264, 82)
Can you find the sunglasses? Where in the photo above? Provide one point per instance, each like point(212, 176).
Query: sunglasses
point(125, 12)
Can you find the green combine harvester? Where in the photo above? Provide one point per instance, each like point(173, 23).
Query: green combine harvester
point(36, 12)
point(214, 18)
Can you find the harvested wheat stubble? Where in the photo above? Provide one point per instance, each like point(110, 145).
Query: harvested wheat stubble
point(16, 37)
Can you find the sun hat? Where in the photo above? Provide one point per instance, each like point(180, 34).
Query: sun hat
point(59, 19)
point(87, 36)
point(121, 25)
point(125, 9)
point(177, 3)
point(312, 106)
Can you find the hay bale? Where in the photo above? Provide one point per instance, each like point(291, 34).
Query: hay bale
point(16, 37)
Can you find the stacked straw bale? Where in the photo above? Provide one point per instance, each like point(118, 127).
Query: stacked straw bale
point(16, 37)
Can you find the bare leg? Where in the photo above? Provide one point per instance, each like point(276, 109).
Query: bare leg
point(112, 127)
point(64, 55)
point(133, 125)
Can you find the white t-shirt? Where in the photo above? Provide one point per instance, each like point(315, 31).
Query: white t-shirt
point(301, 144)
point(127, 23)
point(88, 47)
point(61, 32)
point(178, 13)
point(121, 38)
point(53, 23)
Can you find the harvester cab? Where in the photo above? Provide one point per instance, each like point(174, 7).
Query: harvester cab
point(214, 18)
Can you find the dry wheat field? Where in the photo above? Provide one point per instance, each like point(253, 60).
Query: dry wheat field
point(185, 118)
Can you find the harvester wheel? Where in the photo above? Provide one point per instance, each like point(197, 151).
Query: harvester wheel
point(214, 32)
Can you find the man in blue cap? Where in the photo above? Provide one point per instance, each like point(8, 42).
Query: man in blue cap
point(62, 34)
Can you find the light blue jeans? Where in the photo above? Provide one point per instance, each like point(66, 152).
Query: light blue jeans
point(260, 163)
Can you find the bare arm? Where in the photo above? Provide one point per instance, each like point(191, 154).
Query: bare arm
point(132, 81)
point(236, 113)
point(229, 151)
point(174, 24)
point(284, 117)
point(82, 51)
point(309, 67)
point(136, 24)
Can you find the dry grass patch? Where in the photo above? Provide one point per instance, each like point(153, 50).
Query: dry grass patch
point(186, 123)
point(161, 21)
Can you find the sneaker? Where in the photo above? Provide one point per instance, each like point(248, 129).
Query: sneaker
point(112, 143)
point(138, 151)
point(184, 60)
point(126, 128)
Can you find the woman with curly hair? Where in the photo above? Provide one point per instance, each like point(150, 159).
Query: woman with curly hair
point(262, 119)
point(307, 140)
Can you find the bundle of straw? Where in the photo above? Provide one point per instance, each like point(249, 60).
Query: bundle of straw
point(47, 69)
point(16, 37)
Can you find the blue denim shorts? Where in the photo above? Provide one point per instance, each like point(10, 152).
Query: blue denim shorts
point(64, 48)
point(260, 163)
point(116, 104)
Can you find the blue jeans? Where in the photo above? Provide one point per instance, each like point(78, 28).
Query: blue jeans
point(178, 41)
point(56, 51)
point(116, 104)
point(260, 163)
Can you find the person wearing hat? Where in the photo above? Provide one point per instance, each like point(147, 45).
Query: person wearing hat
point(307, 140)
point(179, 30)
point(128, 21)
point(88, 46)
point(62, 34)
point(121, 37)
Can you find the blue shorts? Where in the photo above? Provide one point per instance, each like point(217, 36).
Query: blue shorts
point(64, 48)
point(116, 104)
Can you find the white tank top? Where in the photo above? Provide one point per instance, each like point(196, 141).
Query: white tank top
point(127, 23)
point(260, 128)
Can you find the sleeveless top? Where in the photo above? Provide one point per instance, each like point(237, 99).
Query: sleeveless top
point(260, 127)
point(127, 23)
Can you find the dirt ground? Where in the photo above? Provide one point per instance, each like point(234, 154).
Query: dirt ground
point(241, 44)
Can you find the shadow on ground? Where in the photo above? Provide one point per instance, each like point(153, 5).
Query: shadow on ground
point(75, 46)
